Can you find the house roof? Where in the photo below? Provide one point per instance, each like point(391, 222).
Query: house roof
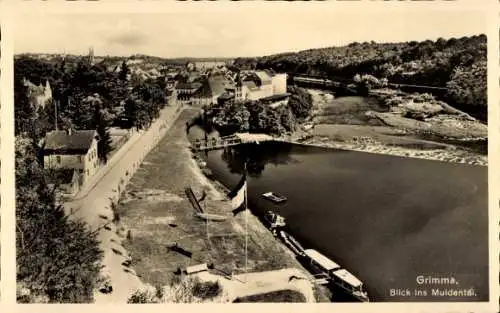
point(213, 86)
point(62, 142)
point(264, 77)
point(217, 85)
point(250, 85)
point(205, 91)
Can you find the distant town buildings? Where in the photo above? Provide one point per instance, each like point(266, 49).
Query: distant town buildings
point(248, 85)
point(212, 88)
point(74, 150)
point(207, 65)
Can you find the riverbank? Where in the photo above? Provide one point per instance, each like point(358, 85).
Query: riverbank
point(352, 124)
point(156, 213)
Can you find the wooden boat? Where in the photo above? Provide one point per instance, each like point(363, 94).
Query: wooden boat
point(271, 196)
point(274, 220)
point(340, 277)
point(211, 217)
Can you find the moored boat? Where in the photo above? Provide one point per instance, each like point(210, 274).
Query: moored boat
point(271, 196)
point(337, 275)
point(274, 220)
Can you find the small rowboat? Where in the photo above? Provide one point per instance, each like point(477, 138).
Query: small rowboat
point(211, 217)
point(271, 196)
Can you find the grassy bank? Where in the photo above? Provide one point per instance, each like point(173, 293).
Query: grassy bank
point(157, 213)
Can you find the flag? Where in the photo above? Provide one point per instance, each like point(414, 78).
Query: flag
point(238, 195)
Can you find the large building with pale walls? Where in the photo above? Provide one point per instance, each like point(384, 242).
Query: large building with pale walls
point(72, 149)
point(256, 85)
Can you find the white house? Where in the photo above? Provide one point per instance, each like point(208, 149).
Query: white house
point(256, 85)
point(72, 149)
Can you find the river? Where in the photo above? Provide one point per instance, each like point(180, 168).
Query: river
point(386, 219)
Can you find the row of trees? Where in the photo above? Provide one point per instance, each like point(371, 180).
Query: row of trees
point(458, 64)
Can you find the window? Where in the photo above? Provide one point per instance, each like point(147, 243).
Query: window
point(58, 159)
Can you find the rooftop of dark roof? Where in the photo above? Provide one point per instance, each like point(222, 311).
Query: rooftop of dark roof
point(61, 141)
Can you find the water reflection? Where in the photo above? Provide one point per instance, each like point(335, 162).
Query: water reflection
point(257, 156)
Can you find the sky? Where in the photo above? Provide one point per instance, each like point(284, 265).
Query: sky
point(238, 32)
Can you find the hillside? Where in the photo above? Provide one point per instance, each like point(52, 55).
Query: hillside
point(458, 64)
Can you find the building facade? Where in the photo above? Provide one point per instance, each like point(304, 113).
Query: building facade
point(72, 149)
point(256, 85)
point(40, 95)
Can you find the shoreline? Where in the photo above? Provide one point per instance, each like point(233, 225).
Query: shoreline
point(395, 140)
point(266, 253)
point(254, 222)
point(453, 155)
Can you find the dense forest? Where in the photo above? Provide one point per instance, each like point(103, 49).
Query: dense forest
point(457, 64)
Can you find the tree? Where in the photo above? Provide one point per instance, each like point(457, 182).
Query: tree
point(101, 125)
point(25, 115)
point(124, 71)
point(468, 85)
point(56, 257)
point(300, 102)
point(131, 110)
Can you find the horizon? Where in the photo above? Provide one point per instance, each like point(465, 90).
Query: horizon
point(232, 57)
point(235, 34)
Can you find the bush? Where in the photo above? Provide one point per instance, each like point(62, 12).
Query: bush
point(142, 296)
point(206, 290)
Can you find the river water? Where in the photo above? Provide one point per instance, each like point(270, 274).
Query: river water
point(386, 219)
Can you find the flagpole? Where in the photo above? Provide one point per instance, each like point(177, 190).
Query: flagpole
point(205, 207)
point(246, 222)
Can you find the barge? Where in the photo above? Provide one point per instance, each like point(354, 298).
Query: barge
point(337, 276)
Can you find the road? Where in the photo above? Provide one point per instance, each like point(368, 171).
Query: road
point(92, 205)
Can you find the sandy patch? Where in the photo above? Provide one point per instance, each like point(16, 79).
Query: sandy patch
point(151, 195)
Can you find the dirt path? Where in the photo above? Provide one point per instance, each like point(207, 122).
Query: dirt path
point(245, 285)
